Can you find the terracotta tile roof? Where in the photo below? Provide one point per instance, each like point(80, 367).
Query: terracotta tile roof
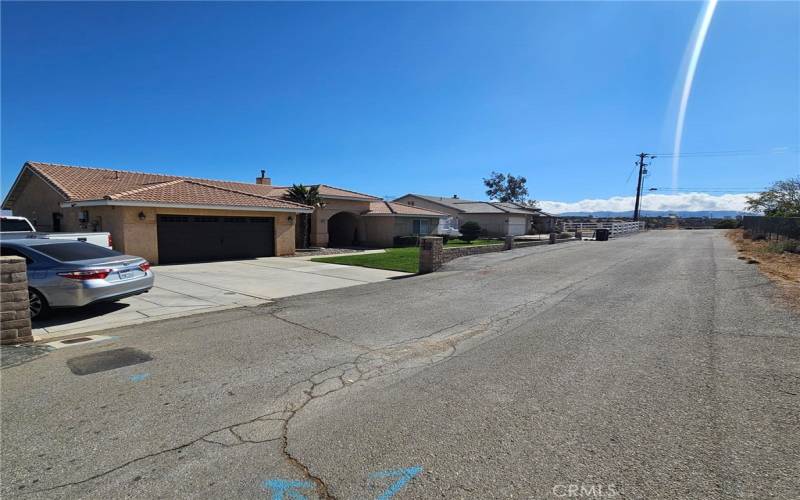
point(278, 191)
point(87, 183)
point(326, 191)
point(184, 191)
point(390, 208)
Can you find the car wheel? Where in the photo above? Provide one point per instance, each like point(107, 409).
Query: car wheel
point(38, 304)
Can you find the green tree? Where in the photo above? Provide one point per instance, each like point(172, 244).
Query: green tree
point(782, 199)
point(506, 188)
point(470, 231)
point(307, 195)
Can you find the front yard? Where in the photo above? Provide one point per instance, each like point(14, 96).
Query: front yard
point(394, 259)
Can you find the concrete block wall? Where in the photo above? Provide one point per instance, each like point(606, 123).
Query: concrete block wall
point(432, 256)
point(455, 252)
point(15, 316)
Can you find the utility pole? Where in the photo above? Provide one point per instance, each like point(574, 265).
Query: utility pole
point(640, 184)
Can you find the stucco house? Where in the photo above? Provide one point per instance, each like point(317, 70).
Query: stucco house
point(170, 219)
point(497, 219)
point(348, 218)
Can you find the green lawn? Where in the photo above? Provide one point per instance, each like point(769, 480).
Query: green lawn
point(394, 259)
point(459, 243)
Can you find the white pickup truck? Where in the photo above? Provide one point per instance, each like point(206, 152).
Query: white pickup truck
point(14, 228)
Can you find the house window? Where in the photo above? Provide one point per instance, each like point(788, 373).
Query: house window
point(420, 226)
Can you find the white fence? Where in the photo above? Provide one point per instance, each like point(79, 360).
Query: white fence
point(615, 228)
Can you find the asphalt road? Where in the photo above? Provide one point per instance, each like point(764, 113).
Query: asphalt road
point(657, 366)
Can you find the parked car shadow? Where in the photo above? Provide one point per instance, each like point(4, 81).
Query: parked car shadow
point(66, 316)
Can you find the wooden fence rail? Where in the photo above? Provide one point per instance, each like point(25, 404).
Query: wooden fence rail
point(615, 228)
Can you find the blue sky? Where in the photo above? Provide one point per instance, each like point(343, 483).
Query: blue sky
point(390, 98)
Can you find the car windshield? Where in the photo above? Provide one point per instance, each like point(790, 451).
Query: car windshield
point(14, 225)
point(74, 251)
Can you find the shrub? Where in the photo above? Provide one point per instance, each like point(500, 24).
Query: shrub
point(564, 236)
point(726, 224)
point(783, 246)
point(406, 241)
point(445, 239)
point(470, 231)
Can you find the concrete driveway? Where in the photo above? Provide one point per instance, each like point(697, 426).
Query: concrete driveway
point(182, 290)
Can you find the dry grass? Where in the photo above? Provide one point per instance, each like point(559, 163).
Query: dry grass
point(781, 267)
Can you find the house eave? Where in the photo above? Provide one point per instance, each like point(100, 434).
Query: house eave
point(33, 172)
point(157, 204)
point(348, 198)
point(408, 215)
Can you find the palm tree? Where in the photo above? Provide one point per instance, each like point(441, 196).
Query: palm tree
point(307, 195)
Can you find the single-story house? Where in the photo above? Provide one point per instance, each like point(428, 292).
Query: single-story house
point(497, 219)
point(349, 218)
point(170, 219)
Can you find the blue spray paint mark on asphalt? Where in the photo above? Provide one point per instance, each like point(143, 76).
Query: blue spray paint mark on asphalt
point(403, 476)
point(139, 377)
point(285, 490)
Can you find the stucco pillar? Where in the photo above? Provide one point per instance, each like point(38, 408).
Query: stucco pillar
point(362, 231)
point(319, 228)
point(285, 234)
point(509, 243)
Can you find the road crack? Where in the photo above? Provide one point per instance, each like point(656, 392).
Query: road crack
point(274, 314)
point(410, 354)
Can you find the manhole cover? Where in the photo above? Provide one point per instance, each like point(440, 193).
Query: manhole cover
point(107, 360)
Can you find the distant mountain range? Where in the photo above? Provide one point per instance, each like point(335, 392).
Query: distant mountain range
point(716, 214)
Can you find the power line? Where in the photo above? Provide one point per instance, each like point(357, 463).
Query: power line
point(741, 152)
point(630, 174)
point(707, 189)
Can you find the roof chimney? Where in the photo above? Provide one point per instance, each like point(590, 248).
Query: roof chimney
point(263, 179)
point(455, 196)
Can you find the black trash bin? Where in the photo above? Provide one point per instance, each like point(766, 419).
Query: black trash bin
point(601, 234)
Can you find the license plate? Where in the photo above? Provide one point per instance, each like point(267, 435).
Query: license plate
point(123, 275)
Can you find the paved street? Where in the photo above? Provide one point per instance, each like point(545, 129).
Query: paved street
point(655, 366)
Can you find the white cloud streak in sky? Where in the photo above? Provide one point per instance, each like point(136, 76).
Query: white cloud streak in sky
point(699, 38)
point(668, 202)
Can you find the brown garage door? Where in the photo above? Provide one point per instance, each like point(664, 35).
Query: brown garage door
point(198, 238)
